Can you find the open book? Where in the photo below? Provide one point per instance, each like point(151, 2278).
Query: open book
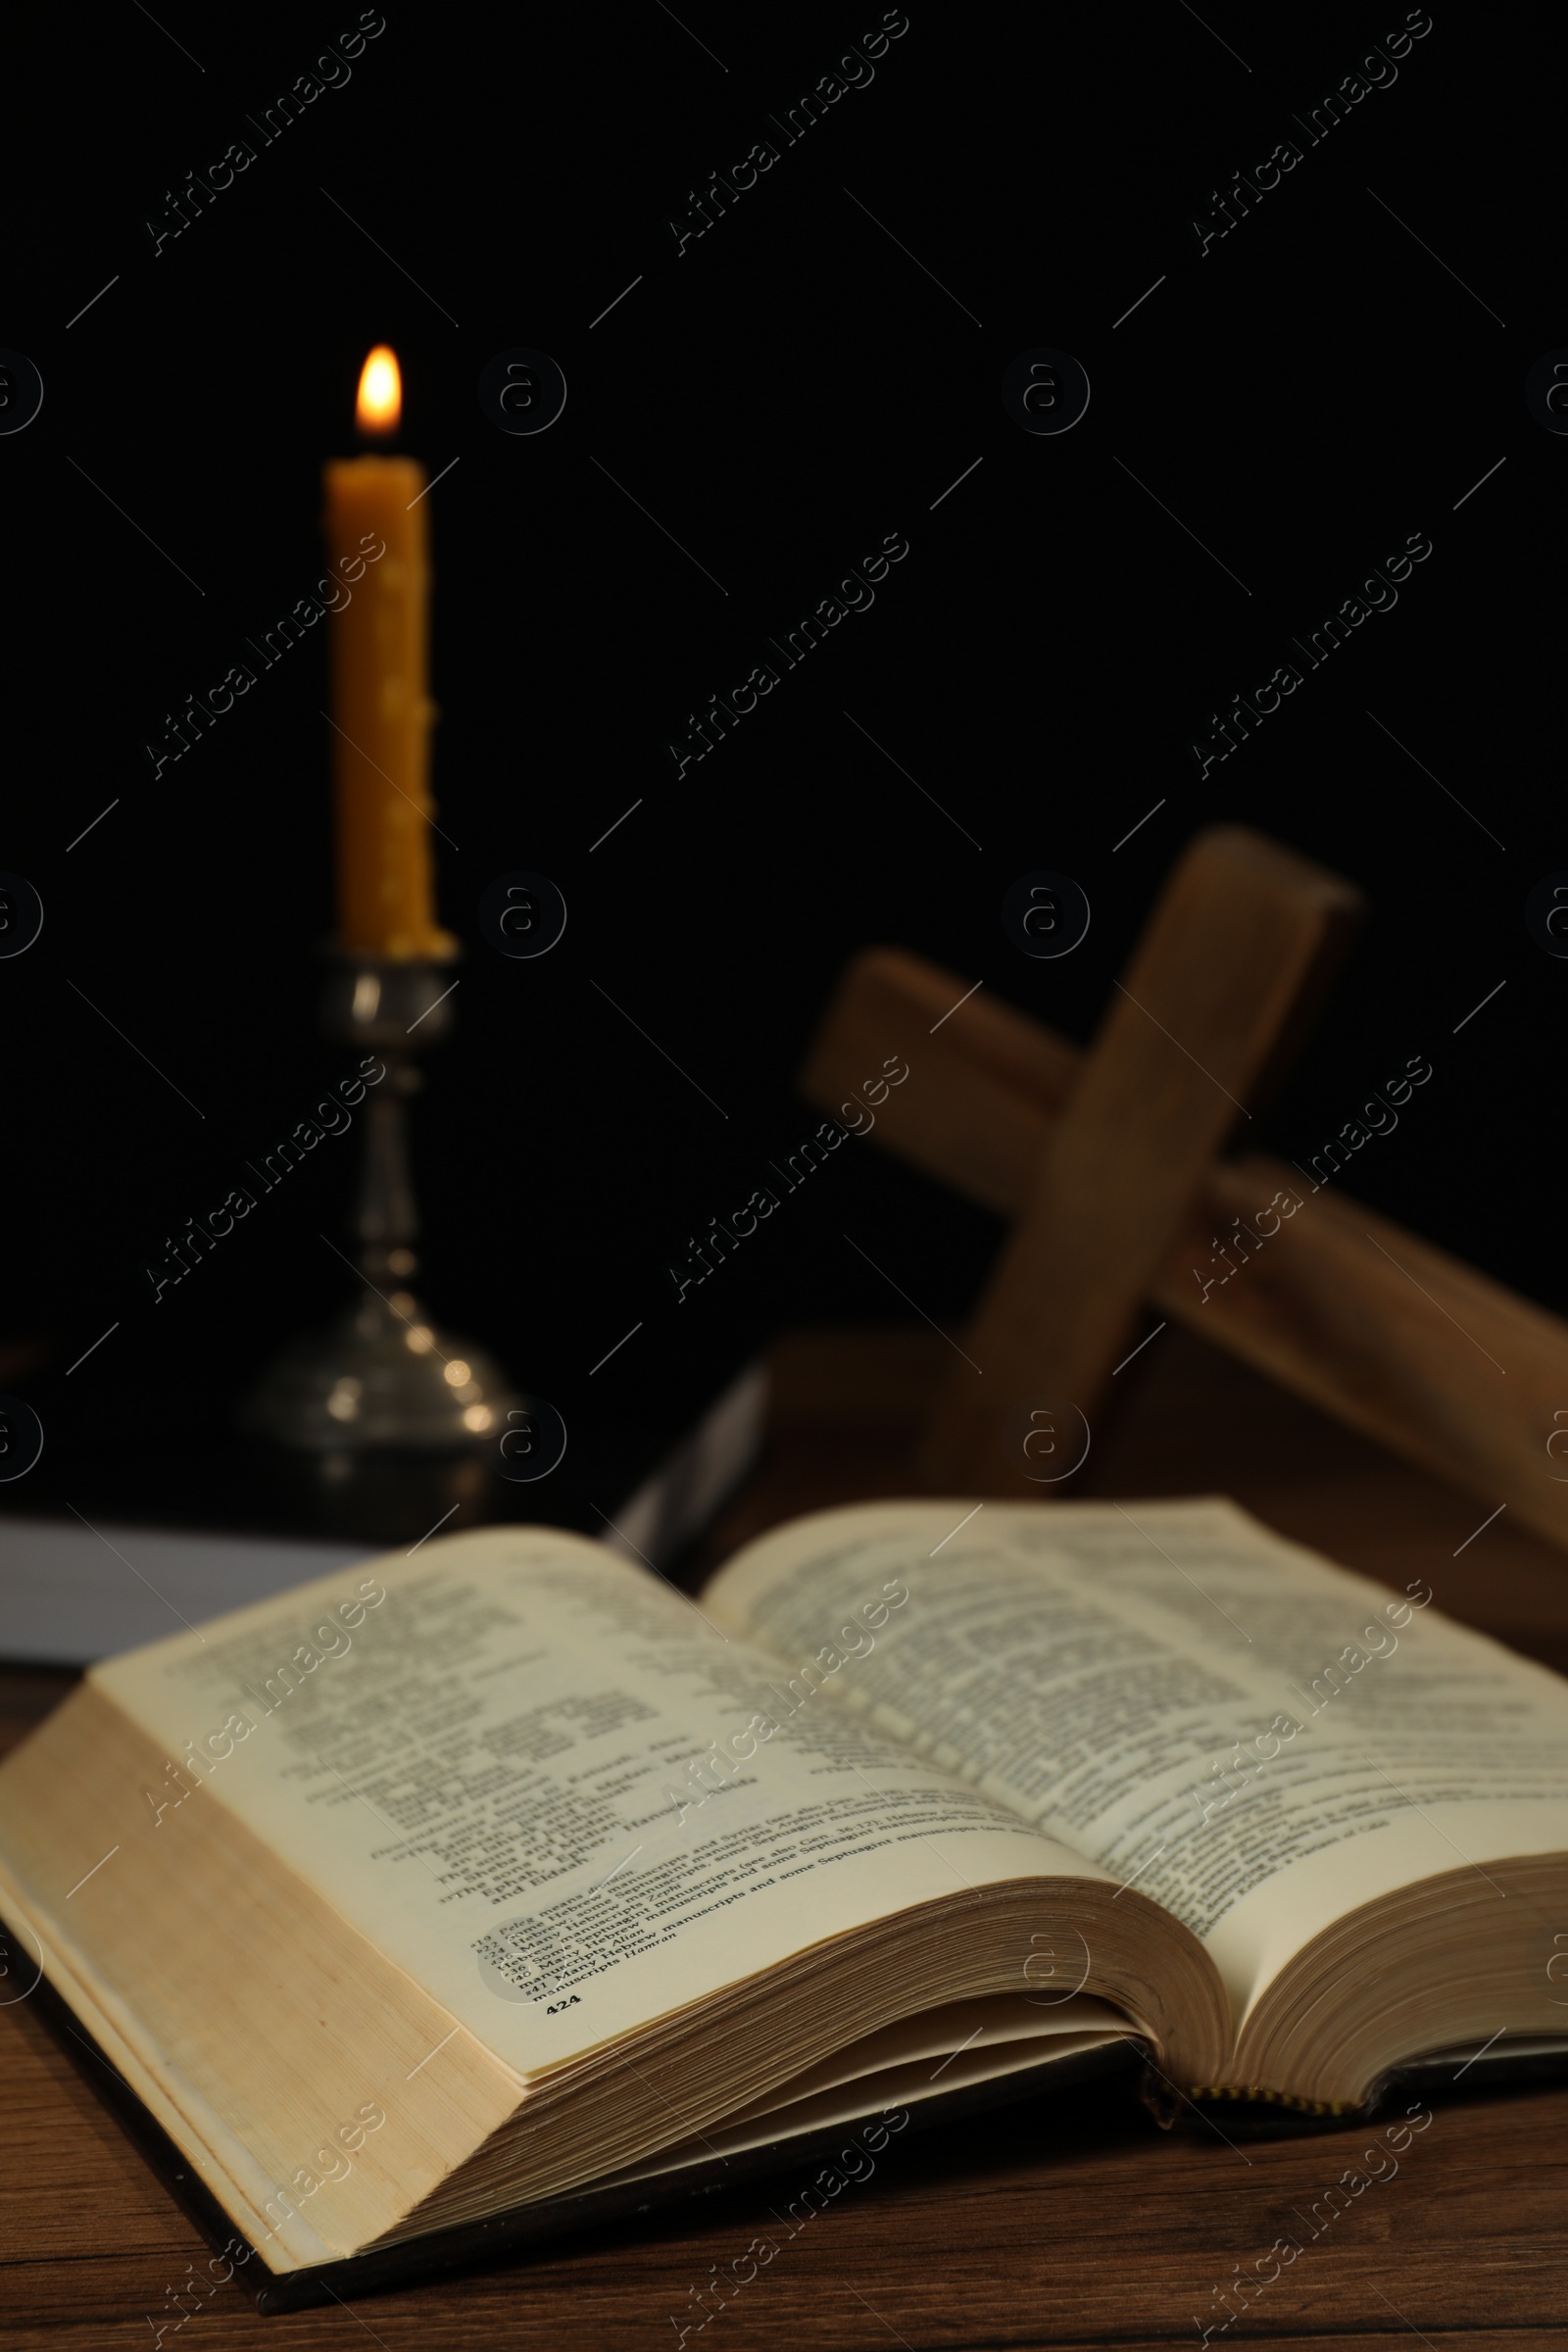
point(489, 1877)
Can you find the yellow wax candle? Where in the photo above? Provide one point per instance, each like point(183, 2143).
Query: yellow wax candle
point(378, 543)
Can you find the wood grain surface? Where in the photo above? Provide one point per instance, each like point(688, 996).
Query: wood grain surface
point(1068, 2223)
point(1241, 934)
point(1381, 1327)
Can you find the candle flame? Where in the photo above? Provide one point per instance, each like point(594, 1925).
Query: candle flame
point(379, 407)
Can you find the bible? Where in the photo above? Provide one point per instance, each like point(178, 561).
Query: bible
point(455, 1898)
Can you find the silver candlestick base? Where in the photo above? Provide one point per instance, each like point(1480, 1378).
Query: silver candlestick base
point(384, 1376)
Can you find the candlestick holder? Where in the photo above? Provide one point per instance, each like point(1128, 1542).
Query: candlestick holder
point(383, 1377)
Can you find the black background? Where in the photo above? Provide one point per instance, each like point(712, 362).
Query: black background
point(781, 395)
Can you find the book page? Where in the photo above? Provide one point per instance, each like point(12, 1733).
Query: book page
point(972, 2042)
point(1255, 1738)
point(553, 1790)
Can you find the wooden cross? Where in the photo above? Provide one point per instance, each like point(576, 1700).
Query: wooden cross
point(1106, 1162)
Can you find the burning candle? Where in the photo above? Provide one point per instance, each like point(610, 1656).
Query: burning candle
point(377, 539)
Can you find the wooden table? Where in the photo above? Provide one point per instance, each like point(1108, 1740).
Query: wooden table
point(1060, 2225)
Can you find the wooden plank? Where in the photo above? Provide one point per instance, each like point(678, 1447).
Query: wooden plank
point(1242, 929)
point(1373, 1324)
point(985, 1085)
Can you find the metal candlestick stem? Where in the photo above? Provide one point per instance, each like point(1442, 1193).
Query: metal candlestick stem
point(384, 1376)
